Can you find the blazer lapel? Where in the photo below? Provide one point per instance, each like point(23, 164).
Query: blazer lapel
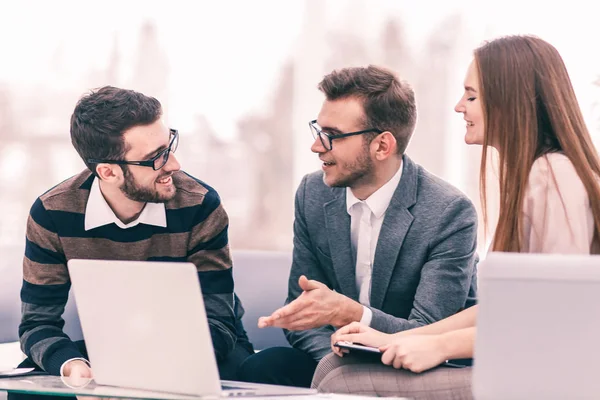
point(396, 223)
point(337, 222)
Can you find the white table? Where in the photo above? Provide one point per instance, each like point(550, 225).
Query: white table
point(53, 385)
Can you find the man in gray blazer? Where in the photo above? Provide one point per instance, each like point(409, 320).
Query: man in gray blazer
point(377, 238)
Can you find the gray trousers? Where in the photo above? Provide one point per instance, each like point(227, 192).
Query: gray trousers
point(359, 375)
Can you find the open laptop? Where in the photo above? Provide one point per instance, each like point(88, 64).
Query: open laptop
point(145, 327)
point(538, 327)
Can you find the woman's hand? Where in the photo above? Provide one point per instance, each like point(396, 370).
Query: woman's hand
point(416, 353)
point(360, 334)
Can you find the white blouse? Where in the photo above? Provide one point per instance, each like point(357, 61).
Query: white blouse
point(558, 217)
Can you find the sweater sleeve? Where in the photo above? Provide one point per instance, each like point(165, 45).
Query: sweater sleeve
point(209, 251)
point(44, 295)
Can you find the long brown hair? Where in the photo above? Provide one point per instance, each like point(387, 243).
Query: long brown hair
point(530, 110)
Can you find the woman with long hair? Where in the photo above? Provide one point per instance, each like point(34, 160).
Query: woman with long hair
point(518, 98)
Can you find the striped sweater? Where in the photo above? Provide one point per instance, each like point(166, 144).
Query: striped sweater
point(196, 232)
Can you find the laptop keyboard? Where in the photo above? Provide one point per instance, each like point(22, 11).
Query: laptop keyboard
point(230, 387)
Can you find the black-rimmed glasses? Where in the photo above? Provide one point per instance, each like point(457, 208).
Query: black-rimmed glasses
point(156, 162)
point(327, 138)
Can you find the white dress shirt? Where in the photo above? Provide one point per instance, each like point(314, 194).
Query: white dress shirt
point(98, 213)
point(366, 218)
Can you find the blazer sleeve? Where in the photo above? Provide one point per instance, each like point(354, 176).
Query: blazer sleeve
point(447, 274)
point(315, 342)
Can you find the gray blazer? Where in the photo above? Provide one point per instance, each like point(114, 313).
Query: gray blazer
point(425, 260)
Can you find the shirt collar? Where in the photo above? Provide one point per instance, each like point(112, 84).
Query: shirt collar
point(379, 201)
point(98, 212)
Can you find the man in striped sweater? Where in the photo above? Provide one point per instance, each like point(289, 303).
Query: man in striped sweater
point(132, 203)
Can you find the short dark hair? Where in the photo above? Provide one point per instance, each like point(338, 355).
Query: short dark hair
point(102, 116)
point(388, 102)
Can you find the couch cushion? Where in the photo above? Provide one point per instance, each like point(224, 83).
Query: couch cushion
point(261, 279)
point(261, 282)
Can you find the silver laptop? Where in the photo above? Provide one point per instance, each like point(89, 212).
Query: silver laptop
point(538, 327)
point(145, 327)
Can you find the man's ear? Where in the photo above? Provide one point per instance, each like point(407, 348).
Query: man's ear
point(386, 145)
point(109, 172)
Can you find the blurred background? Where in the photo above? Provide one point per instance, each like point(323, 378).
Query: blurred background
point(238, 79)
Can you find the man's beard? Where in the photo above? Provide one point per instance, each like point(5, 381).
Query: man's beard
point(360, 170)
point(133, 191)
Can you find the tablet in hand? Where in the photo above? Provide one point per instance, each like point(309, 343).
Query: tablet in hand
point(356, 347)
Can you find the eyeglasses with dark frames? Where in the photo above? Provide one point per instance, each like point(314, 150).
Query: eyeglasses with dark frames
point(156, 162)
point(327, 138)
